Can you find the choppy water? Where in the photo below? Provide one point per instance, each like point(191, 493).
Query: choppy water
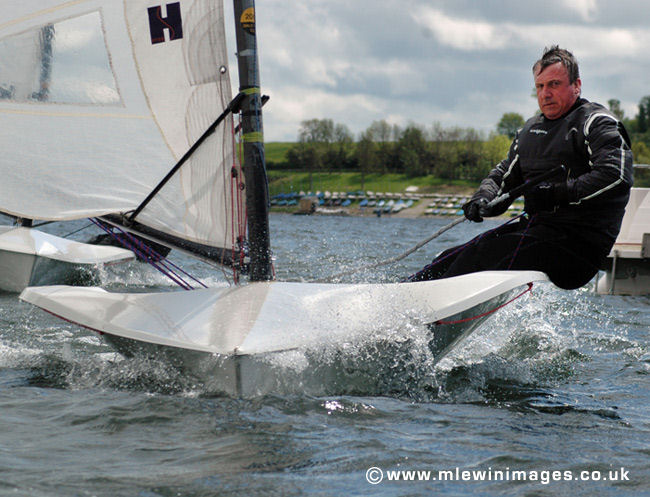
point(556, 382)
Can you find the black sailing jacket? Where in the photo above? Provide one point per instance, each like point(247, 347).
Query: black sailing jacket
point(594, 147)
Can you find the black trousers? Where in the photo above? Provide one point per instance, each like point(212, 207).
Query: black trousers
point(569, 260)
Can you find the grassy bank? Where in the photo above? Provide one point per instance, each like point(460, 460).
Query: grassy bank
point(276, 152)
point(285, 181)
point(288, 181)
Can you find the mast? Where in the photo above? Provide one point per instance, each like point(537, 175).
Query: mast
point(257, 194)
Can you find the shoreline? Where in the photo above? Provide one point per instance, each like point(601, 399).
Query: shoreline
point(415, 212)
point(307, 205)
point(410, 213)
point(442, 205)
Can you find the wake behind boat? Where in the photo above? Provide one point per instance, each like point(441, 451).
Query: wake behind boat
point(177, 180)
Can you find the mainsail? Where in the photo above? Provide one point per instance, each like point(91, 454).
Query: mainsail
point(99, 99)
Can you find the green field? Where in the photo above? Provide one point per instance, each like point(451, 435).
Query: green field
point(283, 181)
point(289, 181)
point(276, 151)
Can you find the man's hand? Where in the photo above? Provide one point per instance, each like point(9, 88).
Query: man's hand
point(546, 197)
point(476, 208)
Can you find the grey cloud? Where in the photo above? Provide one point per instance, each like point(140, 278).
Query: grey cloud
point(345, 54)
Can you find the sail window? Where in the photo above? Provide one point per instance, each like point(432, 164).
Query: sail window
point(65, 62)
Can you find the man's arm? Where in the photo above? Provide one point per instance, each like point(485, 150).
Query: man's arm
point(610, 170)
point(610, 159)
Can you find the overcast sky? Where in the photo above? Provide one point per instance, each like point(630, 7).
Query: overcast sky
point(457, 62)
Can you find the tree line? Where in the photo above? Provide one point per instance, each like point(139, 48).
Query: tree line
point(414, 150)
point(449, 153)
point(638, 127)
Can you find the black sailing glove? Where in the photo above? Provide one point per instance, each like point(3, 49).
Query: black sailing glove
point(476, 208)
point(546, 197)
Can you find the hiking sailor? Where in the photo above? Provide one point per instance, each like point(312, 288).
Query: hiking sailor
point(573, 218)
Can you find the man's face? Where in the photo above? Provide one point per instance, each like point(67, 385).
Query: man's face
point(555, 95)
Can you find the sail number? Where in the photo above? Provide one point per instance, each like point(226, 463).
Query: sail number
point(172, 23)
point(248, 20)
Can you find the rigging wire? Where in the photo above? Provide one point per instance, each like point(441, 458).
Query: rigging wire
point(45, 223)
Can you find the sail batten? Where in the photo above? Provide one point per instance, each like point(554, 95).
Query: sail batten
point(111, 114)
point(99, 99)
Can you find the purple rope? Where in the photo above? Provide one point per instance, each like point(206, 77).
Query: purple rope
point(521, 240)
point(152, 257)
point(159, 258)
point(129, 242)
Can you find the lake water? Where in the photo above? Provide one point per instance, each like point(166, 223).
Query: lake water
point(549, 397)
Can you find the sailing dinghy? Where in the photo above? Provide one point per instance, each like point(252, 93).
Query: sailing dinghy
point(29, 257)
point(169, 76)
point(627, 270)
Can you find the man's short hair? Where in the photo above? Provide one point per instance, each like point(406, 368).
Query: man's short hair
point(553, 55)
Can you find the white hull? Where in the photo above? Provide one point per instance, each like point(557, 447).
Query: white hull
point(628, 271)
point(632, 278)
point(232, 333)
point(29, 257)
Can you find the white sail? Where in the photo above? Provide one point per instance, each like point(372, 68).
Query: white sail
point(130, 85)
point(20, 74)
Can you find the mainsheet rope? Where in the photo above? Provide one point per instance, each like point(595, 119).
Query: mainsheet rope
point(473, 241)
point(459, 249)
point(521, 240)
point(392, 260)
point(421, 244)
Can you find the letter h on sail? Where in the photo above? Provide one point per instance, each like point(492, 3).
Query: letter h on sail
point(158, 24)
